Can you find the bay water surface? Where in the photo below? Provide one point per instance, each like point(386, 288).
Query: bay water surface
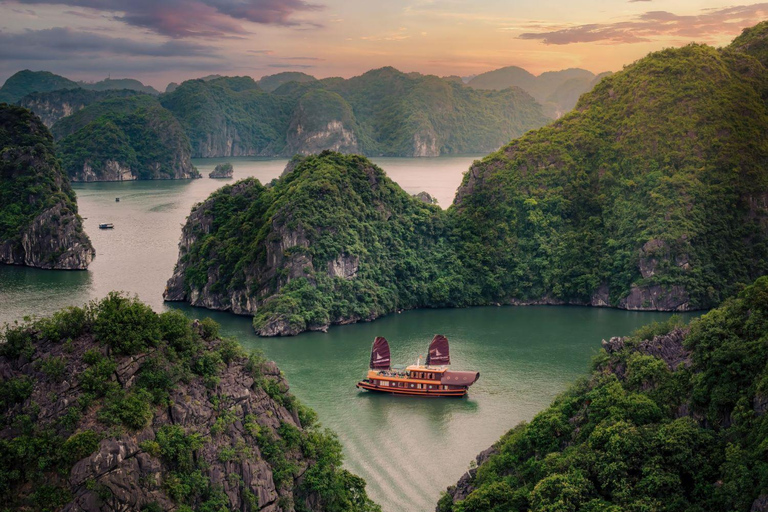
point(407, 449)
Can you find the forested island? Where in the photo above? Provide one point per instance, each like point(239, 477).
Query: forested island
point(39, 223)
point(383, 112)
point(123, 138)
point(114, 407)
point(647, 197)
point(671, 418)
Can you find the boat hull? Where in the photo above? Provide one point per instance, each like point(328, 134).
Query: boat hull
point(413, 392)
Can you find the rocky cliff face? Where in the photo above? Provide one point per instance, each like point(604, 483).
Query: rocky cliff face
point(124, 139)
point(224, 170)
point(383, 112)
point(322, 120)
point(157, 427)
point(54, 240)
point(111, 170)
point(54, 105)
point(297, 264)
point(41, 227)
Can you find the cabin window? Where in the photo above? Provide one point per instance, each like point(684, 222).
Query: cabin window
point(430, 387)
point(411, 385)
point(445, 387)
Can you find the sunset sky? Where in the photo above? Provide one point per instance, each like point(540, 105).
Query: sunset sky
point(158, 41)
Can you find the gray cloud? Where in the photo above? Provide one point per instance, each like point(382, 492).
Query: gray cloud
point(64, 43)
point(657, 23)
point(185, 18)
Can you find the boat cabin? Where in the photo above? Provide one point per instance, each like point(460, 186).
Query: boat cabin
point(418, 379)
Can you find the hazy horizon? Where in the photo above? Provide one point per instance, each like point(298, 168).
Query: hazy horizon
point(159, 42)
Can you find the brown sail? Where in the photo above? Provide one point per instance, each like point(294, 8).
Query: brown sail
point(380, 359)
point(438, 351)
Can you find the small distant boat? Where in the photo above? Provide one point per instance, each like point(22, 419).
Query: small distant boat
point(106, 226)
point(117, 199)
point(431, 379)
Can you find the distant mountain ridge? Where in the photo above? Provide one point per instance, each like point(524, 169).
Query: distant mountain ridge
point(27, 82)
point(556, 91)
point(382, 112)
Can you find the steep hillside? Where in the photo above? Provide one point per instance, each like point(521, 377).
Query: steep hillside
point(113, 407)
point(271, 82)
point(229, 116)
point(26, 82)
point(124, 139)
point(332, 241)
point(109, 84)
point(672, 418)
point(651, 195)
point(556, 91)
point(54, 105)
point(39, 224)
point(382, 112)
point(754, 41)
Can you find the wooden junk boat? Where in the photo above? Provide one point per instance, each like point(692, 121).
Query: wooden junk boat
point(432, 379)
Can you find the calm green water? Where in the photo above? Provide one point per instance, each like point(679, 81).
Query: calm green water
point(408, 449)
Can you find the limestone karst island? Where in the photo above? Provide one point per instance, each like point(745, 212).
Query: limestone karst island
point(417, 256)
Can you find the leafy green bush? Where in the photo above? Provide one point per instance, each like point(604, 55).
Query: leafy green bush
point(177, 446)
point(79, 446)
point(126, 325)
point(176, 329)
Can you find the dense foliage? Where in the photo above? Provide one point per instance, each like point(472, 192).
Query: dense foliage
point(229, 116)
point(108, 373)
point(271, 82)
point(390, 113)
point(31, 180)
point(53, 105)
point(26, 81)
point(556, 91)
point(649, 195)
point(333, 240)
point(644, 433)
point(134, 133)
point(114, 84)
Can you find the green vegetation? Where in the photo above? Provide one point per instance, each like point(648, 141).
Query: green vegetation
point(127, 367)
point(639, 434)
point(115, 135)
point(54, 105)
point(644, 197)
point(228, 116)
point(333, 239)
point(31, 184)
point(26, 82)
point(648, 196)
point(114, 84)
point(271, 82)
point(556, 91)
point(390, 113)
point(224, 170)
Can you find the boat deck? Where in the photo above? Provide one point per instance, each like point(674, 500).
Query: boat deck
point(411, 391)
